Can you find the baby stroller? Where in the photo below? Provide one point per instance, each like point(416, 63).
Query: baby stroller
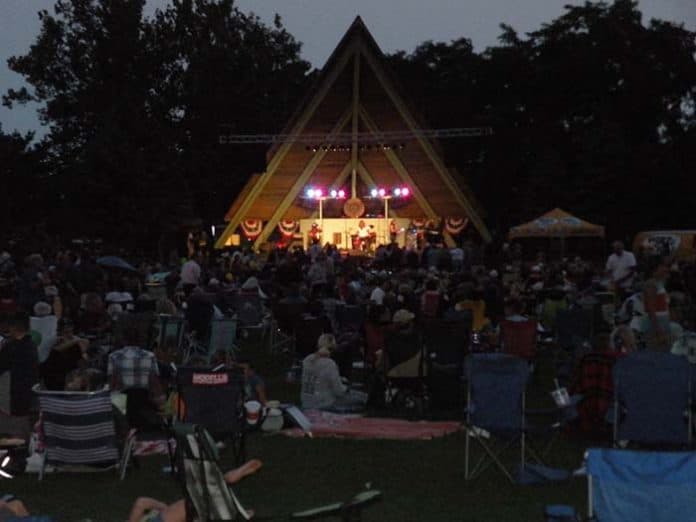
point(405, 372)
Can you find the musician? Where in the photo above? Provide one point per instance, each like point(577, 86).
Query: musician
point(371, 238)
point(392, 231)
point(363, 235)
point(315, 234)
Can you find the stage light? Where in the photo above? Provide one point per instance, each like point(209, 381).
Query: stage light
point(341, 193)
point(382, 192)
point(405, 191)
point(310, 193)
point(318, 193)
point(334, 193)
point(397, 192)
point(374, 192)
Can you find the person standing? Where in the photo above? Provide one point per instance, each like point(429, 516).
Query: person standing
point(621, 269)
point(19, 357)
point(657, 325)
point(191, 273)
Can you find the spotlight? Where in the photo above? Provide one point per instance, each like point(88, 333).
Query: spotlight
point(382, 192)
point(334, 193)
point(341, 193)
point(310, 193)
point(317, 193)
point(405, 191)
point(374, 192)
point(397, 191)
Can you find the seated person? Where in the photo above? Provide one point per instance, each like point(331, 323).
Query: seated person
point(19, 357)
point(132, 367)
point(254, 386)
point(176, 512)
point(322, 387)
point(67, 354)
point(402, 342)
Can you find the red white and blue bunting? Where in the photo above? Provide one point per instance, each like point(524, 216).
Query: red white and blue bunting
point(455, 225)
point(252, 228)
point(288, 227)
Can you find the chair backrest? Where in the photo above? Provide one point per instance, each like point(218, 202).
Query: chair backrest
point(168, 333)
point(351, 316)
point(199, 313)
point(223, 334)
point(519, 338)
point(78, 427)
point(640, 486)
point(594, 380)
point(287, 315)
point(653, 392)
point(497, 384)
point(213, 400)
point(573, 327)
point(448, 341)
point(308, 331)
point(249, 309)
point(205, 490)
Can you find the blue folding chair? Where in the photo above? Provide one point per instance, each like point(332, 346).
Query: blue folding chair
point(652, 399)
point(495, 409)
point(641, 486)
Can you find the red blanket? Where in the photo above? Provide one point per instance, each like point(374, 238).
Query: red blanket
point(356, 427)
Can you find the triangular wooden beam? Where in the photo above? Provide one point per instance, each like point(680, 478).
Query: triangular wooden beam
point(424, 142)
point(282, 151)
point(299, 184)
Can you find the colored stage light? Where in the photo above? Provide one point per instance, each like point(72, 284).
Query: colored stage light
point(341, 193)
point(405, 191)
point(310, 193)
point(374, 192)
point(382, 192)
point(318, 193)
point(334, 193)
point(397, 192)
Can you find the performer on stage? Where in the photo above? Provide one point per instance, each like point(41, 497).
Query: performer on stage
point(392, 231)
point(315, 234)
point(363, 235)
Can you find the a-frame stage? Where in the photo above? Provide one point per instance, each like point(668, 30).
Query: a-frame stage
point(354, 95)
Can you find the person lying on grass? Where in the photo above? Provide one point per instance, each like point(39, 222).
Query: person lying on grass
point(176, 512)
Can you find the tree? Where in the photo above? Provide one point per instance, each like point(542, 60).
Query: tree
point(135, 107)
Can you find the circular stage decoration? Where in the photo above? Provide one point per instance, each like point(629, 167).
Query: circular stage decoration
point(354, 208)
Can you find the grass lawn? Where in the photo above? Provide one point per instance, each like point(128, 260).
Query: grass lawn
point(421, 480)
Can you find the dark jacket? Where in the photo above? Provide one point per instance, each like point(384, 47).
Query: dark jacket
point(20, 358)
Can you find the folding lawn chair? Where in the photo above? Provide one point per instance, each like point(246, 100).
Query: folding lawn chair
point(209, 498)
point(574, 330)
point(168, 334)
point(496, 415)
point(652, 399)
point(79, 430)
point(447, 344)
point(640, 486)
point(519, 338)
point(214, 400)
point(223, 336)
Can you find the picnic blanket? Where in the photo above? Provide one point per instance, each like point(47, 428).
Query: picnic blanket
point(353, 426)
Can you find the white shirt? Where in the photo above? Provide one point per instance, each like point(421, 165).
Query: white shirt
point(377, 296)
point(620, 266)
point(321, 382)
point(190, 273)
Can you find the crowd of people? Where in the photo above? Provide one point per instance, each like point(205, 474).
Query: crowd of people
point(65, 319)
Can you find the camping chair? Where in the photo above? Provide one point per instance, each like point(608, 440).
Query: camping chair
point(168, 336)
point(406, 379)
point(209, 498)
point(573, 332)
point(447, 344)
point(640, 486)
point(223, 336)
point(350, 317)
point(652, 399)
point(496, 411)
point(308, 330)
point(286, 315)
point(79, 430)
point(519, 338)
point(251, 315)
point(593, 379)
point(214, 400)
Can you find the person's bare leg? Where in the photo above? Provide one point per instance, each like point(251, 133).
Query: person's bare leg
point(174, 513)
point(142, 506)
point(248, 468)
point(18, 508)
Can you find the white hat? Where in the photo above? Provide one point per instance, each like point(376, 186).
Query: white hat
point(250, 283)
point(493, 274)
point(403, 316)
point(51, 291)
point(326, 343)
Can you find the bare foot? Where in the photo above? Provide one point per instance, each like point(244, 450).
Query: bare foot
point(242, 471)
